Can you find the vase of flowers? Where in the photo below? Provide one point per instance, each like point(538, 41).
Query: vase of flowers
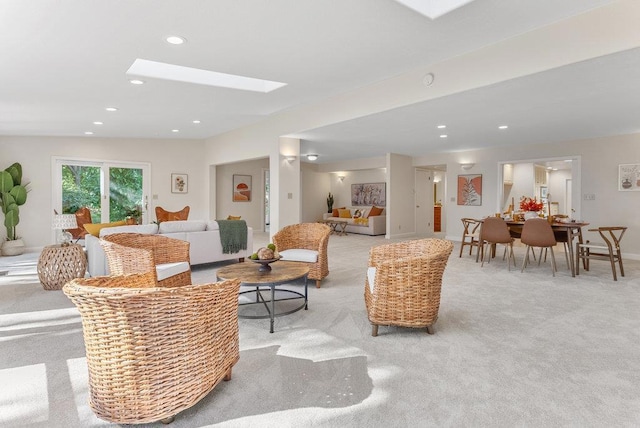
point(530, 206)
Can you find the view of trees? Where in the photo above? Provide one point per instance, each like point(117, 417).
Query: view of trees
point(81, 188)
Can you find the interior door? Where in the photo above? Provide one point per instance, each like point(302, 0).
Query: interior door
point(424, 202)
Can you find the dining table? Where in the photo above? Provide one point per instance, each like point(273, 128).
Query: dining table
point(573, 229)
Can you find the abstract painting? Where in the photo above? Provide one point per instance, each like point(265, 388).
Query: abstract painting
point(369, 194)
point(470, 189)
point(241, 188)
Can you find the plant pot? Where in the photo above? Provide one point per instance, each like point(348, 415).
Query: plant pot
point(13, 248)
point(530, 214)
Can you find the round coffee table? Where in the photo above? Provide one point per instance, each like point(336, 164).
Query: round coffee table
point(281, 273)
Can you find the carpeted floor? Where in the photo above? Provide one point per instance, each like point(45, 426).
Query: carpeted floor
point(510, 349)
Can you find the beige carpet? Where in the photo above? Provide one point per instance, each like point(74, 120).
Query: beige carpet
point(510, 349)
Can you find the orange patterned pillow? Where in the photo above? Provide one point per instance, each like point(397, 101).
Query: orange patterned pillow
point(335, 212)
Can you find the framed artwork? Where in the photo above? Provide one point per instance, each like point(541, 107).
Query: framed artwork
point(470, 190)
point(179, 183)
point(629, 177)
point(543, 192)
point(241, 188)
point(369, 194)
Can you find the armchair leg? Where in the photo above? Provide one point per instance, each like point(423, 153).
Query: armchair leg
point(318, 283)
point(430, 329)
point(168, 420)
point(227, 375)
point(374, 330)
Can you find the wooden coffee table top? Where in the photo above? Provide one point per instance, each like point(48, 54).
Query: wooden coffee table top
point(248, 274)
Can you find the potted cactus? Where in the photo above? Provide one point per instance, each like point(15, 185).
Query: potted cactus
point(329, 202)
point(12, 195)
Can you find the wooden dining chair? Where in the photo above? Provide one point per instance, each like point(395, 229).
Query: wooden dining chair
point(470, 235)
point(608, 250)
point(537, 233)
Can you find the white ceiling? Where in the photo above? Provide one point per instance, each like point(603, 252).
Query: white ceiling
point(64, 61)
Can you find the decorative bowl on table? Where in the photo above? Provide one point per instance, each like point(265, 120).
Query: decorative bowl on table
point(264, 264)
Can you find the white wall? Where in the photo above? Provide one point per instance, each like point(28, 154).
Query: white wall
point(523, 185)
point(315, 189)
point(165, 156)
point(401, 218)
point(252, 211)
point(557, 189)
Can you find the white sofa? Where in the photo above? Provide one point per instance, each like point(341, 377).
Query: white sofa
point(376, 225)
point(203, 237)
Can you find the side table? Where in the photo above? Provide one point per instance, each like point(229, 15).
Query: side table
point(58, 265)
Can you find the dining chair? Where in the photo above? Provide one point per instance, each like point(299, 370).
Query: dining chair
point(470, 235)
point(609, 250)
point(537, 233)
point(494, 230)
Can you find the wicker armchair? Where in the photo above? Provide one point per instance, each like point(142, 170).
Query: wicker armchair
point(153, 352)
point(305, 236)
point(167, 258)
point(403, 283)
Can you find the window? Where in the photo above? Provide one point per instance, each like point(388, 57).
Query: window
point(111, 190)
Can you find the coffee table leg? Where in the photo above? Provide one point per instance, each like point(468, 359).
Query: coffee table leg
point(306, 277)
point(273, 306)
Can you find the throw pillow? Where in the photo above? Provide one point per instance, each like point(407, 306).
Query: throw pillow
point(94, 228)
point(375, 211)
point(335, 212)
point(344, 213)
point(233, 217)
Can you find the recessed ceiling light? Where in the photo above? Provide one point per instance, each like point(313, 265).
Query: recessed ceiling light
point(442, 126)
point(175, 40)
point(88, 133)
point(111, 109)
point(178, 73)
point(98, 123)
point(503, 127)
point(196, 121)
point(175, 130)
point(444, 136)
point(137, 82)
point(312, 157)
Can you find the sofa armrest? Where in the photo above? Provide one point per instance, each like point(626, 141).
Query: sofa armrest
point(378, 224)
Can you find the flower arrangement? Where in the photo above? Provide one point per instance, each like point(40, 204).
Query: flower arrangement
point(530, 204)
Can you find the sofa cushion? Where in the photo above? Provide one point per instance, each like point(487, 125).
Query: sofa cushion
point(147, 229)
point(95, 228)
point(182, 226)
point(344, 213)
point(299, 255)
point(375, 211)
point(212, 225)
point(167, 270)
point(371, 277)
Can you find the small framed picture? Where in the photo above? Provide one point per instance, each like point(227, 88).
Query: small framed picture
point(629, 177)
point(179, 183)
point(241, 188)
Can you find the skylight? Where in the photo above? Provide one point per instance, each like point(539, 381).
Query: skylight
point(433, 8)
point(161, 70)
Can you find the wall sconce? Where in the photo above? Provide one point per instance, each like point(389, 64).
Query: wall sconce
point(467, 166)
point(290, 158)
point(312, 157)
point(341, 178)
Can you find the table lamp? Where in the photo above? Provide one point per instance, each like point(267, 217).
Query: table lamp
point(63, 222)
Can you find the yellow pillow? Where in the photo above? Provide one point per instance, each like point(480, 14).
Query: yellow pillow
point(344, 213)
point(234, 217)
point(94, 228)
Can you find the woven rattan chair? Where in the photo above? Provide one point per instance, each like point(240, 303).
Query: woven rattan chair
point(403, 283)
point(607, 250)
point(305, 242)
point(153, 352)
point(129, 253)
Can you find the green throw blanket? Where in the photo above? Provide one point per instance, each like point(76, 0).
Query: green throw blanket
point(233, 235)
